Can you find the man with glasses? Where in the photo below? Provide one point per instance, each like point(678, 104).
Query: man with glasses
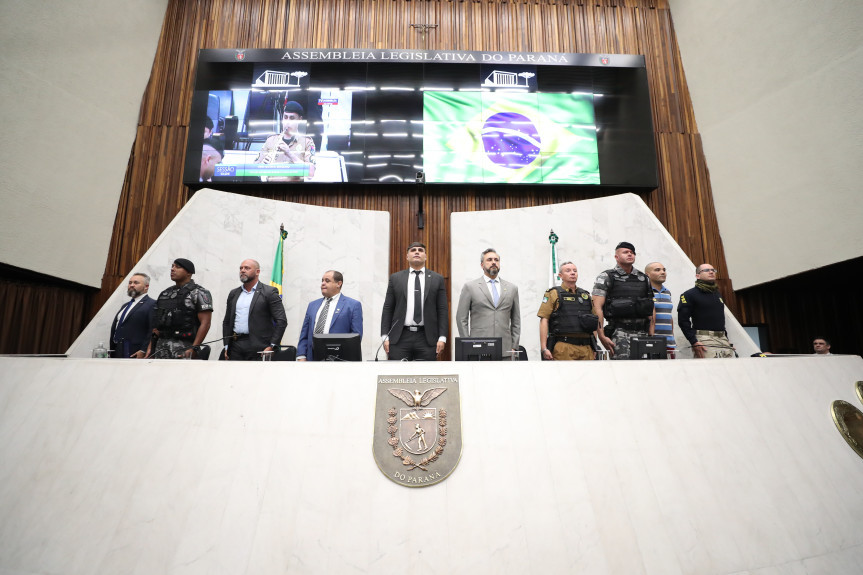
point(701, 315)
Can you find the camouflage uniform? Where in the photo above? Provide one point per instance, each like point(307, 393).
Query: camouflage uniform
point(197, 299)
point(624, 330)
point(298, 143)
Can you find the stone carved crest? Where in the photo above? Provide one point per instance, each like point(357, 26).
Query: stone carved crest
point(417, 436)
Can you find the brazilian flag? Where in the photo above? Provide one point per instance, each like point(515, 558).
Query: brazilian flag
point(509, 138)
point(279, 263)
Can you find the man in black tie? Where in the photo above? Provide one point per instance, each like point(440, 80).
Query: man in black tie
point(255, 318)
point(130, 331)
point(414, 322)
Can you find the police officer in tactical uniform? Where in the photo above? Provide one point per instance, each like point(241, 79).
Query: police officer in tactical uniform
point(623, 296)
point(183, 314)
point(568, 320)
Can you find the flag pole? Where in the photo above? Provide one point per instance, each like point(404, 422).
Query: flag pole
point(552, 239)
point(279, 261)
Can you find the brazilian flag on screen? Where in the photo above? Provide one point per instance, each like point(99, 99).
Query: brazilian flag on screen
point(509, 138)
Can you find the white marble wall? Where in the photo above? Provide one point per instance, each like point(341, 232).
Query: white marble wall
point(218, 230)
point(588, 231)
point(703, 467)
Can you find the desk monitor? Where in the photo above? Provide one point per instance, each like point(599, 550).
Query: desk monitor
point(478, 349)
point(650, 347)
point(337, 347)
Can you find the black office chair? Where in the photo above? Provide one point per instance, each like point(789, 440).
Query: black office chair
point(522, 353)
point(203, 352)
point(285, 353)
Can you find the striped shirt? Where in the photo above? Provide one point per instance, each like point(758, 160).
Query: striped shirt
point(664, 307)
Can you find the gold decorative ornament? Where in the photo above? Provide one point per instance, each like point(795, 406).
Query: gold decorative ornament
point(849, 422)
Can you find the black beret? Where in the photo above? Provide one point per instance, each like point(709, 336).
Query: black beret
point(295, 107)
point(626, 245)
point(185, 264)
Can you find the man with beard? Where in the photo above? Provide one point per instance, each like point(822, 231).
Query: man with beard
point(255, 318)
point(623, 296)
point(567, 319)
point(488, 306)
point(414, 321)
point(183, 314)
point(130, 331)
point(701, 315)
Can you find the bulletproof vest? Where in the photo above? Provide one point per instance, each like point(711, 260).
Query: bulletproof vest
point(627, 298)
point(573, 314)
point(172, 314)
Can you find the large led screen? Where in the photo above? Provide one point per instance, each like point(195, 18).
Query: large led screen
point(268, 117)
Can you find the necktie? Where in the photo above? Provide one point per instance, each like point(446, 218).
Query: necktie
point(125, 311)
point(418, 299)
point(123, 317)
point(322, 319)
point(494, 295)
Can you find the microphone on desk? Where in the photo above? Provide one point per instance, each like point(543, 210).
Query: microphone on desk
point(395, 321)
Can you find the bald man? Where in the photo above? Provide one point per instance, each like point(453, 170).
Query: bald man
point(255, 319)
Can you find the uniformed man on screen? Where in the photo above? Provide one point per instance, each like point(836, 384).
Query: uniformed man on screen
point(291, 146)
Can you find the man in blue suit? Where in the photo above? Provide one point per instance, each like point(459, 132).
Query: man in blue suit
point(131, 328)
point(333, 313)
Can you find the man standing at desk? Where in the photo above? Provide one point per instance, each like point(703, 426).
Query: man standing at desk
point(623, 296)
point(130, 331)
point(255, 318)
point(333, 313)
point(488, 306)
point(183, 314)
point(414, 321)
point(701, 315)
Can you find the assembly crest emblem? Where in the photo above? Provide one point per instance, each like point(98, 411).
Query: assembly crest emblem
point(417, 438)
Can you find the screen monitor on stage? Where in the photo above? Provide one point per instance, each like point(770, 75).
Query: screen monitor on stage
point(478, 349)
point(400, 116)
point(337, 347)
point(648, 347)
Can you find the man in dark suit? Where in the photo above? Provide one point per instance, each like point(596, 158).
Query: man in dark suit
point(130, 331)
point(414, 322)
point(333, 313)
point(255, 318)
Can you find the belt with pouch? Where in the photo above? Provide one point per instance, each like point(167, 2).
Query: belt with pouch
point(710, 333)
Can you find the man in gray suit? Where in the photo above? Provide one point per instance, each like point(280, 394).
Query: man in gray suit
point(488, 306)
point(255, 318)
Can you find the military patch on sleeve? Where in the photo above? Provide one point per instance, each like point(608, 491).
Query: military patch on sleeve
point(584, 296)
point(545, 299)
point(682, 299)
